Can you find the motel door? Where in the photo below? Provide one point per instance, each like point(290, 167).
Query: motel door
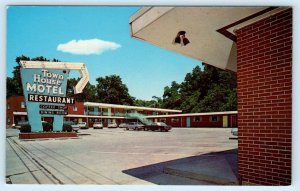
point(225, 121)
point(188, 122)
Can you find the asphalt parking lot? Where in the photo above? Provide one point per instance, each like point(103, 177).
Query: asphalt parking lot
point(111, 156)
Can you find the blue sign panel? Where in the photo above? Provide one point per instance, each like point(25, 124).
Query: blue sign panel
point(45, 96)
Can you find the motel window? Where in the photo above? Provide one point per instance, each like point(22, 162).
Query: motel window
point(214, 118)
point(174, 120)
point(162, 120)
point(8, 106)
point(74, 108)
point(23, 104)
point(197, 119)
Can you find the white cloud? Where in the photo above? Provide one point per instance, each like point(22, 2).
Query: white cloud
point(87, 47)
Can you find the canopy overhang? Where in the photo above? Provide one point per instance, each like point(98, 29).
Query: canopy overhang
point(210, 30)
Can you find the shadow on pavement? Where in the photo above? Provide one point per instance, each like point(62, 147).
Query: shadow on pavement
point(147, 172)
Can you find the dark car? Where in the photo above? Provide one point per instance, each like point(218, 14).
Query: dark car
point(157, 126)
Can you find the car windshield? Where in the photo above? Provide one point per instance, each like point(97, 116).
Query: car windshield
point(22, 122)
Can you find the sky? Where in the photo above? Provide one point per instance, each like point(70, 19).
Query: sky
point(100, 38)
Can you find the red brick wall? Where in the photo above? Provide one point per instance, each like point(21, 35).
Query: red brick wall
point(15, 106)
point(80, 108)
point(173, 123)
point(264, 73)
point(204, 123)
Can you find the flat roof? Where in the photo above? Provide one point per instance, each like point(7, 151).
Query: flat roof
point(193, 114)
point(94, 116)
point(106, 105)
point(149, 116)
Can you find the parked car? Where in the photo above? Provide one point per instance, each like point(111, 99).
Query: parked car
point(135, 126)
point(98, 125)
point(19, 124)
point(123, 125)
point(74, 126)
point(234, 131)
point(82, 125)
point(112, 125)
point(158, 126)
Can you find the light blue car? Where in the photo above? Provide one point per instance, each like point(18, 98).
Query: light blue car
point(234, 131)
point(74, 126)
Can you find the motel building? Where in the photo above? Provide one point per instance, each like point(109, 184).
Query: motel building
point(256, 43)
point(91, 112)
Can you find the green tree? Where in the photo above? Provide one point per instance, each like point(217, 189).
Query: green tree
point(110, 89)
point(156, 102)
point(210, 89)
point(88, 93)
point(14, 84)
point(11, 87)
point(172, 97)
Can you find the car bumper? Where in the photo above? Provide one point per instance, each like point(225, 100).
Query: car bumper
point(98, 127)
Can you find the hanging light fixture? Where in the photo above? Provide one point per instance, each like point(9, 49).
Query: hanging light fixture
point(181, 39)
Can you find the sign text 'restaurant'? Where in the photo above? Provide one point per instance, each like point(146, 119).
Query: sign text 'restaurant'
point(50, 99)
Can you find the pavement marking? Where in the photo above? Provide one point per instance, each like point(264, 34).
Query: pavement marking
point(8, 175)
point(34, 161)
point(116, 145)
point(77, 168)
point(15, 147)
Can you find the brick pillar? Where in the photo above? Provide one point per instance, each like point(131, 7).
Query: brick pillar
point(264, 75)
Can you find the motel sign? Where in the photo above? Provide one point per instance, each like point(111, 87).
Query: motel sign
point(44, 87)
